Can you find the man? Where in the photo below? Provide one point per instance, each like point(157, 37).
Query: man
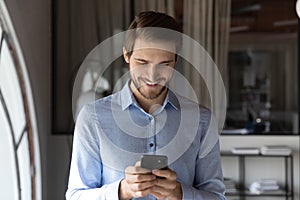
point(146, 117)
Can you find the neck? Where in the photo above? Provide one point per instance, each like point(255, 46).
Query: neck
point(148, 105)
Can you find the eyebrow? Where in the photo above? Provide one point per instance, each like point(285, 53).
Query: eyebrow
point(146, 61)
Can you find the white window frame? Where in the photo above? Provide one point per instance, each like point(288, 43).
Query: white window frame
point(28, 103)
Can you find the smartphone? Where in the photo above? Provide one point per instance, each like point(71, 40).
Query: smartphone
point(154, 162)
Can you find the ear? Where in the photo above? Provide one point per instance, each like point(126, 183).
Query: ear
point(126, 57)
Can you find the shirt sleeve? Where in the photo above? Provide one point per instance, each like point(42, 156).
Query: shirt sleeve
point(86, 167)
point(208, 180)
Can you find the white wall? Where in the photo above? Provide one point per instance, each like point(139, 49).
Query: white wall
point(261, 168)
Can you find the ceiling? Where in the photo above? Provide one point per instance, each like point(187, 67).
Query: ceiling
point(264, 16)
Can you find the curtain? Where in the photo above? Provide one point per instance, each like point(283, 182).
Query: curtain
point(91, 22)
point(165, 6)
point(79, 27)
point(208, 22)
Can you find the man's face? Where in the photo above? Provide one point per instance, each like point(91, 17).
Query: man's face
point(150, 67)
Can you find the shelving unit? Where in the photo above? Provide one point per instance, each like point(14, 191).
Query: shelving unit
point(243, 192)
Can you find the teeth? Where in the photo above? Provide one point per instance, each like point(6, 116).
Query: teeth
point(151, 83)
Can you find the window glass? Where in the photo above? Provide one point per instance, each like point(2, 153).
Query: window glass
point(8, 182)
point(10, 88)
point(24, 167)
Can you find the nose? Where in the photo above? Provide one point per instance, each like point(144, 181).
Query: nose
point(152, 72)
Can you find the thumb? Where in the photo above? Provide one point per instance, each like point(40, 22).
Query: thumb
point(138, 164)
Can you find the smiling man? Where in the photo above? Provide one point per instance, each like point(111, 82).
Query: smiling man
point(146, 117)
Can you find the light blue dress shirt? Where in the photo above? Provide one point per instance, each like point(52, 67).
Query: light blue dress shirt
point(113, 132)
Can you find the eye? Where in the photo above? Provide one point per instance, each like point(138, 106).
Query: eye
point(163, 65)
point(141, 62)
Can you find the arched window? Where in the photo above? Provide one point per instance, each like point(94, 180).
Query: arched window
point(20, 168)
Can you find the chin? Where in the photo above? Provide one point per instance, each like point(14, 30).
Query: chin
point(152, 94)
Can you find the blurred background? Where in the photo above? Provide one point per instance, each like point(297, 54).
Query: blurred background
point(254, 44)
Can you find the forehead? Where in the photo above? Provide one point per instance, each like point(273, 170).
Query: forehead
point(157, 45)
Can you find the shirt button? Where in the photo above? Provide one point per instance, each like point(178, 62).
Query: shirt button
point(151, 144)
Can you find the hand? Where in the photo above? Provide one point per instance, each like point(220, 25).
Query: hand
point(138, 182)
point(166, 186)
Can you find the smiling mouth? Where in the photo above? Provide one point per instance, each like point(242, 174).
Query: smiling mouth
point(152, 86)
point(153, 83)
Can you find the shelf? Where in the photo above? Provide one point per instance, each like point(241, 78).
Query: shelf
point(280, 193)
point(286, 190)
point(228, 153)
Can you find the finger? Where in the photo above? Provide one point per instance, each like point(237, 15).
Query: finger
point(165, 183)
point(168, 174)
point(161, 191)
point(138, 164)
point(138, 178)
point(141, 186)
point(137, 170)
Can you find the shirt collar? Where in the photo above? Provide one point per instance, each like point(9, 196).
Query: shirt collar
point(126, 96)
point(172, 100)
point(128, 99)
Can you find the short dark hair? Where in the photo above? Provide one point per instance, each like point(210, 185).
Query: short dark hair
point(152, 19)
